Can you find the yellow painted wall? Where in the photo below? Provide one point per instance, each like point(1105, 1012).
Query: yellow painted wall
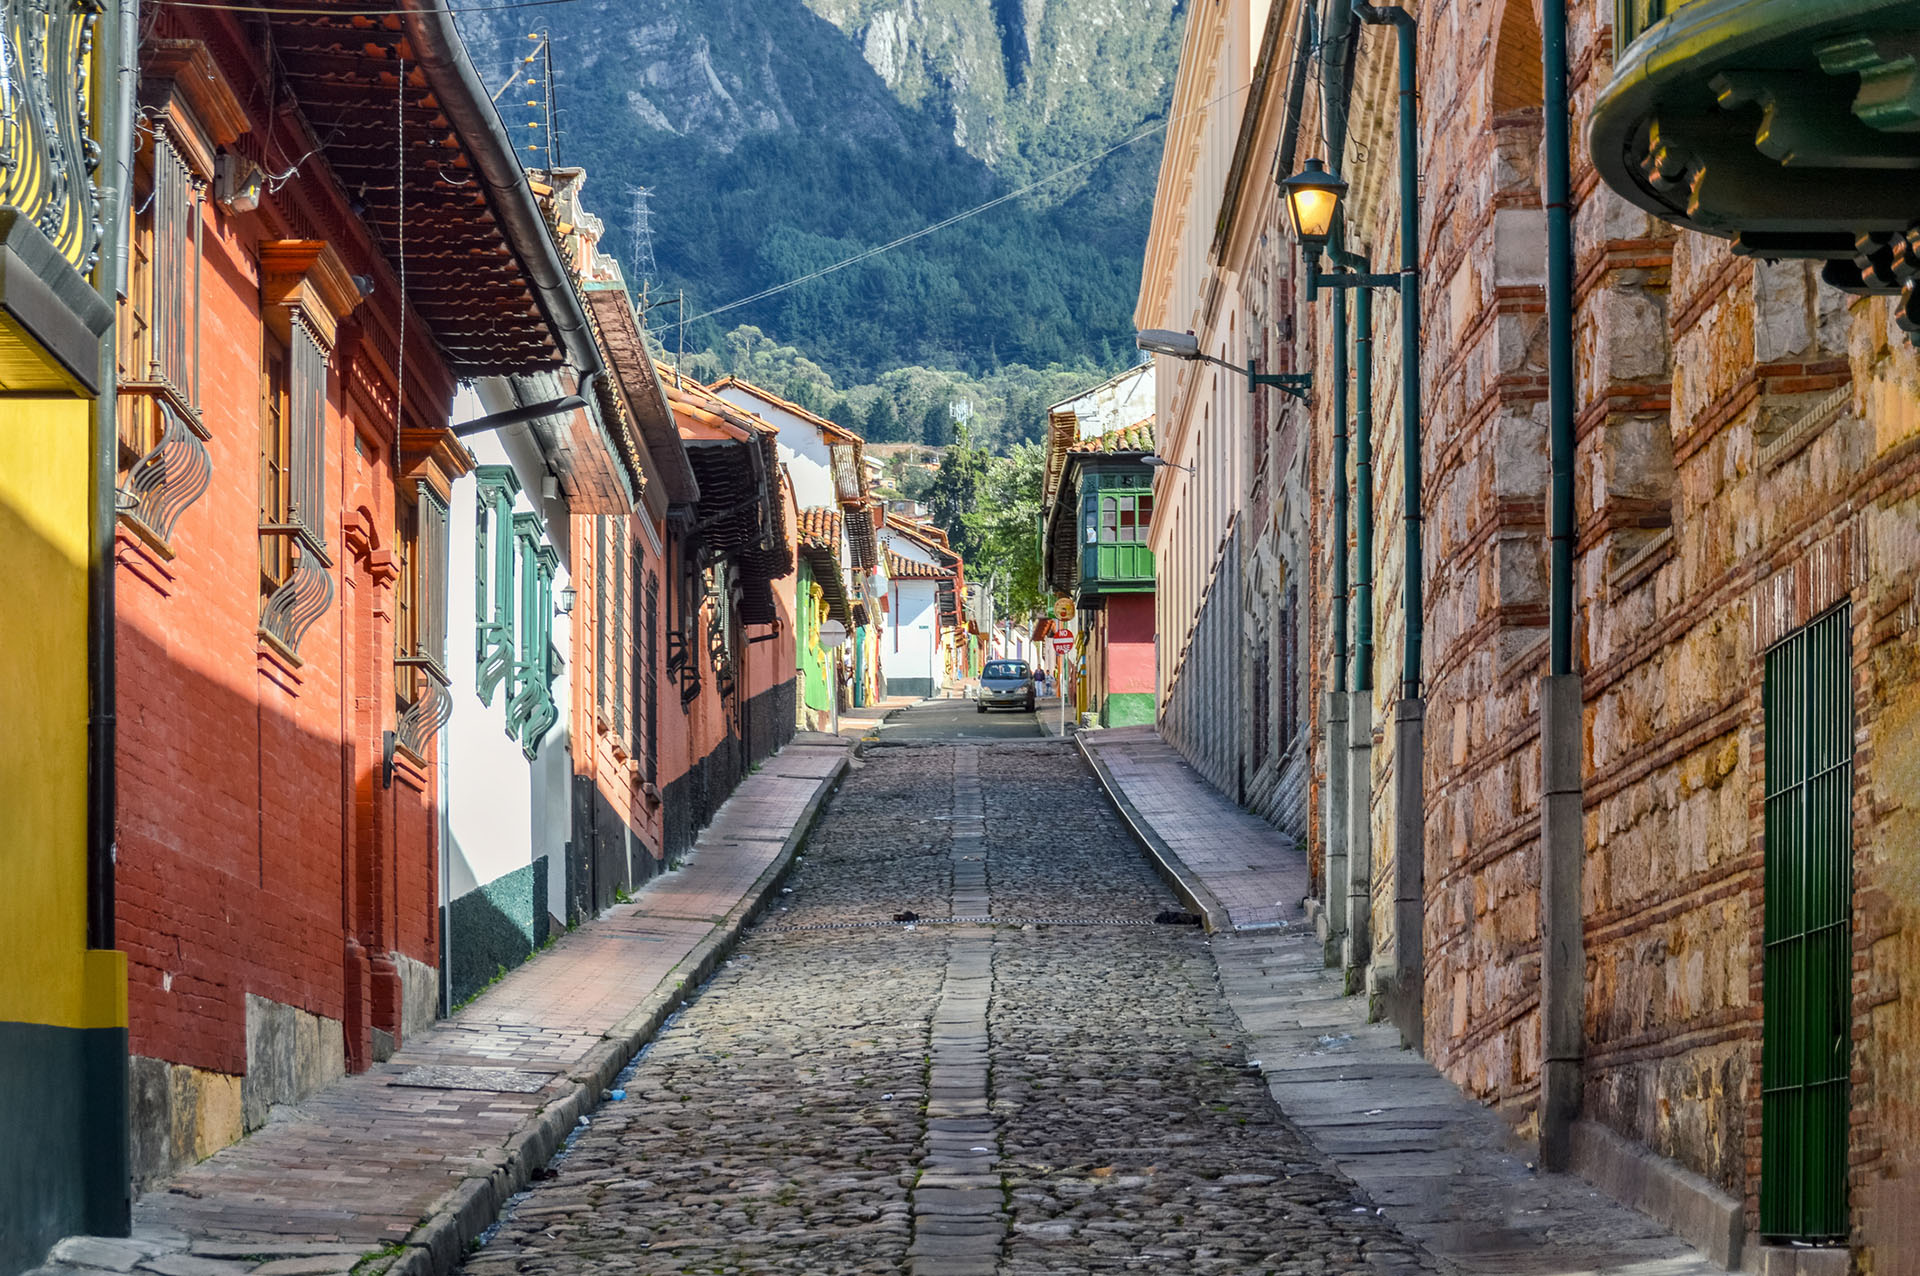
point(47, 975)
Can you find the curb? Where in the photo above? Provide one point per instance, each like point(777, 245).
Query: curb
point(436, 1246)
point(1191, 890)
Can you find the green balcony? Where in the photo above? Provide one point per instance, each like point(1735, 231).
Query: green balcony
point(1791, 127)
point(1116, 513)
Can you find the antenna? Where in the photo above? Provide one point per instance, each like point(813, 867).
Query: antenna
point(541, 89)
point(644, 269)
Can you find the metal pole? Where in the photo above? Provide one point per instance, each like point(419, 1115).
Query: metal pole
point(1562, 803)
point(1339, 490)
point(1406, 998)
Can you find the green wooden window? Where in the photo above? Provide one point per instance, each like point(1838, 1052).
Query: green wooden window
point(493, 592)
point(1116, 520)
point(1806, 1033)
point(531, 710)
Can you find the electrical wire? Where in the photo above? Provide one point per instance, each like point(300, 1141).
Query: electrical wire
point(269, 11)
point(963, 215)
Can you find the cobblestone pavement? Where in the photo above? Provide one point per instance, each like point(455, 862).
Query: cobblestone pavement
point(1057, 1087)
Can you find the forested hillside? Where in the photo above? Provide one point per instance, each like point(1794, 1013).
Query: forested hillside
point(778, 137)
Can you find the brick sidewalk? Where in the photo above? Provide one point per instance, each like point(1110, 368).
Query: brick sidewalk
point(1446, 1170)
point(1241, 871)
point(411, 1165)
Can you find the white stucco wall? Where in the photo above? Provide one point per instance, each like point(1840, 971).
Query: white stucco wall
point(503, 811)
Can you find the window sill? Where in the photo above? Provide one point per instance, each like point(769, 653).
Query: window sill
point(277, 663)
point(1640, 567)
point(143, 555)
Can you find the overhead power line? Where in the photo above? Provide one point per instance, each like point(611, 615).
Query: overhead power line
point(961, 216)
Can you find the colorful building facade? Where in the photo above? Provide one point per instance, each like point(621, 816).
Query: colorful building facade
point(63, 1001)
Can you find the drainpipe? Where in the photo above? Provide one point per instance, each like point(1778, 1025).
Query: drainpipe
point(1350, 769)
point(1562, 835)
point(1336, 885)
point(109, 1196)
point(1359, 946)
point(1406, 995)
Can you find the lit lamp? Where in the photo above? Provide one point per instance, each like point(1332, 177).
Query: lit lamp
point(1313, 197)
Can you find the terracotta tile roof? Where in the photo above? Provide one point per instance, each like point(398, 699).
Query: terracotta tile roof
point(900, 567)
point(1137, 437)
point(821, 525)
point(833, 430)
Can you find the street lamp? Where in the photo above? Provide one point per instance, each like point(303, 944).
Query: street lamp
point(1162, 463)
point(1184, 345)
point(1313, 197)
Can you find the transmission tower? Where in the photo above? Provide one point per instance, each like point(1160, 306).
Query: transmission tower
point(644, 270)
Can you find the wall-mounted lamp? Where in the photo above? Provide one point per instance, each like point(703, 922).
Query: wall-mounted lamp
point(1162, 463)
point(238, 183)
point(563, 603)
point(1313, 197)
point(1184, 345)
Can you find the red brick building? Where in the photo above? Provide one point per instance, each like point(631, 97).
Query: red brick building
point(329, 230)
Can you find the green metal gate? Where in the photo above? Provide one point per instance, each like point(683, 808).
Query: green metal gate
point(1809, 915)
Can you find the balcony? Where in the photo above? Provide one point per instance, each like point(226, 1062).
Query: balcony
point(1791, 127)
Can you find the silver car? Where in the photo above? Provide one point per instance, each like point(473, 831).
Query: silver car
point(1005, 684)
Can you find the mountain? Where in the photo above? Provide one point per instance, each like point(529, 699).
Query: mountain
point(778, 137)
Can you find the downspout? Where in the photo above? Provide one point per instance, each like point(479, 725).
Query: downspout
point(1406, 995)
point(109, 1196)
point(1357, 951)
point(1563, 837)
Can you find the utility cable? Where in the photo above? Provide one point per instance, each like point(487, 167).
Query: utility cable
point(963, 215)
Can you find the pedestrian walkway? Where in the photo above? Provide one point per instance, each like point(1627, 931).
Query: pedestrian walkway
point(1446, 1170)
point(408, 1162)
point(1241, 871)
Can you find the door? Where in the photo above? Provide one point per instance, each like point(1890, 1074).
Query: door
point(1808, 932)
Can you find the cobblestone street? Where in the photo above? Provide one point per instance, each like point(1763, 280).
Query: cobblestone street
point(1027, 1075)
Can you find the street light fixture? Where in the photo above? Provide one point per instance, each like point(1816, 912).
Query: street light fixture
point(1184, 345)
point(1313, 197)
point(1162, 463)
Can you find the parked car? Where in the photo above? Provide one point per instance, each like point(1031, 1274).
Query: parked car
point(1005, 684)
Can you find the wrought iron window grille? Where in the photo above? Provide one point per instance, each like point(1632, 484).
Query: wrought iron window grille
point(531, 711)
point(296, 602)
point(160, 424)
point(422, 655)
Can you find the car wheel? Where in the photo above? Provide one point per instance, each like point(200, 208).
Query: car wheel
point(1029, 704)
point(979, 708)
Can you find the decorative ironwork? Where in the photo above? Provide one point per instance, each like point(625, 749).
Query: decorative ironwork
point(427, 661)
point(48, 159)
point(531, 711)
point(160, 322)
point(304, 595)
point(173, 475)
point(720, 629)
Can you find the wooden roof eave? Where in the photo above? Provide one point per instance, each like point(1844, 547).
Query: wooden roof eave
point(638, 380)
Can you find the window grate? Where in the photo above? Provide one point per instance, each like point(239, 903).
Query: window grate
point(1807, 1029)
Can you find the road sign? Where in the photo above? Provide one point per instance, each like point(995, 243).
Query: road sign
point(1062, 643)
point(1063, 609)
point(832, 634)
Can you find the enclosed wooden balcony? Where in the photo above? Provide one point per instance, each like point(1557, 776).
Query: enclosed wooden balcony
point(1791, 127)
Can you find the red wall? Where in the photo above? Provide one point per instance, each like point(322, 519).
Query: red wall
point(256, 843)
point(1129, 643)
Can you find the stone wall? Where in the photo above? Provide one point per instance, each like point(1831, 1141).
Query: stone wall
point(1748, 457)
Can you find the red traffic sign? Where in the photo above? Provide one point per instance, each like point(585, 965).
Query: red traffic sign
point(1062, 643)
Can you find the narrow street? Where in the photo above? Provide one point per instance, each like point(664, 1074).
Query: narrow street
point(1029, 1075)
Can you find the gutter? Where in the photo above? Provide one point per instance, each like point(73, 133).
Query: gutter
point(443, 60)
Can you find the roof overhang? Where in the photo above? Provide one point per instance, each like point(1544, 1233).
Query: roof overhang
point(481, 266)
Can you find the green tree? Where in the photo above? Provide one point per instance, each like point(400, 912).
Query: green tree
point(1004, 528)
point(956, 491)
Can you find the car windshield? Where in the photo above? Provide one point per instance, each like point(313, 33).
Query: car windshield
point(1005, 670)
